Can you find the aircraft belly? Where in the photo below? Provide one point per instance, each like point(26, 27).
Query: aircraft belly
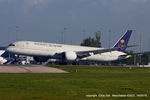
point(101, 58)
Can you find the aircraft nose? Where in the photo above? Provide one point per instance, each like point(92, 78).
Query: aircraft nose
point(9, 49)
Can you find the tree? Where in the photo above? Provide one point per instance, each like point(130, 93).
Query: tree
point(92, 42)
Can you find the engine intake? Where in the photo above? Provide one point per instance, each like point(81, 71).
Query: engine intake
point(70, 55)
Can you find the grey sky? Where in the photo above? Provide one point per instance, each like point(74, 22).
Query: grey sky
point(44, 20)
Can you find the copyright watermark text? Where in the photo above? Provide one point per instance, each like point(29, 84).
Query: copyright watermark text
point(117, 95)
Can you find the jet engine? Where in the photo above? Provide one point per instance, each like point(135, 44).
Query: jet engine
point(70, 55)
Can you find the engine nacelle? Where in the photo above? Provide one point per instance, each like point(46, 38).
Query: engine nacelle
point(70, 55)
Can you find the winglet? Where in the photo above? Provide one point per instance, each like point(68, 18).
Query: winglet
point(123, 41)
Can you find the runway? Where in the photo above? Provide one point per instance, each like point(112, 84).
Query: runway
point(29, 69)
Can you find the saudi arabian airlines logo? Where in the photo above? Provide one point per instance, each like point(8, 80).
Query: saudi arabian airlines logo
point(122, 44)
point(122, 41)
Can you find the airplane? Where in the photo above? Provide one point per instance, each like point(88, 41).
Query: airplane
point(5, 57)
point(2, 60)
point(42, 51)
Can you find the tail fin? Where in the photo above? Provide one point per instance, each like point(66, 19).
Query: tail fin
point(123, 41)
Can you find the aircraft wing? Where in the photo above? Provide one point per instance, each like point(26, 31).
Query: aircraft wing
point(82, 54)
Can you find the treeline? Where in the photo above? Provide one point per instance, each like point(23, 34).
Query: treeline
point(92, 42)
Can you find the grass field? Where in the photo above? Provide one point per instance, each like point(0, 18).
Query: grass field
point(82, 81)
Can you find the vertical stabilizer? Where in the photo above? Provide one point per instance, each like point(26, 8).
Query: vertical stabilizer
point(123, 41)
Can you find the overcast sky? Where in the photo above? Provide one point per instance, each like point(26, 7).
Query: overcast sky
point(45, 20)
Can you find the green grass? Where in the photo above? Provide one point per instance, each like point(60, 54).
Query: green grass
point(81, 81)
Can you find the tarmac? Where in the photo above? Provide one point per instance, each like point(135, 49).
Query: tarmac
point(29, 69)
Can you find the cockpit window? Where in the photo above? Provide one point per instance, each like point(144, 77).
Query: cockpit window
point(12, 45)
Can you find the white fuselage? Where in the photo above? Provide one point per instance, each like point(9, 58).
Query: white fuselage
point(50, 49)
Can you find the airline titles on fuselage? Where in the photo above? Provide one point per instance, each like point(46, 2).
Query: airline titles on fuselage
point(46, 44)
